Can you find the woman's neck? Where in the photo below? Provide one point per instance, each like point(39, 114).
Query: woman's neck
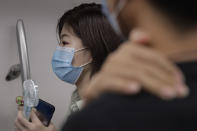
point(84, 80)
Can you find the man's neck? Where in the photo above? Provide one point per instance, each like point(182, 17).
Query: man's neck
point(176, 45)
point(187, 48)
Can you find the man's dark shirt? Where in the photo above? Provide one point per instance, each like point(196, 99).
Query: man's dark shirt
point(142, 112)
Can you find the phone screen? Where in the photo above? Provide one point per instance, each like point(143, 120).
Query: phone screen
point(45, 112)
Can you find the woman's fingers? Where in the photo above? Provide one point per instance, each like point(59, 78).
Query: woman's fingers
point(156, 58)
point(128, 66)
point(148, 76)
point(117, 83)
point(22, 120)
point(21, 123)
point(51, 127)
point(24, 125)
point(138, 38)
point(134, 63)
point(146, 57)
point(159, 60)
point(19, 127)
point(34, 117)
point(151, 77)
point(108, 83)
point(153, 63)
point(20, 108)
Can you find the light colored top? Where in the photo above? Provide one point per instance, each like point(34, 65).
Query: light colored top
point(76, 103)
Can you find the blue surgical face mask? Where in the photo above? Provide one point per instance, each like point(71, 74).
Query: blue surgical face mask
point(62, 64)
point(113, 16)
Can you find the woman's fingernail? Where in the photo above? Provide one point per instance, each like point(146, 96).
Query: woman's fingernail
point(168, 93)
point(134, 87)
point(34, 110)
point(139, 36)
point(183, 91)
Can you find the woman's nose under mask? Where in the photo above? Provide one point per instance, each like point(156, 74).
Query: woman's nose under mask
point(62, 64)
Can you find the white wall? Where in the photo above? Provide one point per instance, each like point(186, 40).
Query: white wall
point(40, 18)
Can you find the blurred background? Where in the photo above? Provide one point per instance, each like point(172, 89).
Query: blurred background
point(40, 18)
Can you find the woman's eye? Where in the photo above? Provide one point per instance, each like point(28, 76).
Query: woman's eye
point(64, 43)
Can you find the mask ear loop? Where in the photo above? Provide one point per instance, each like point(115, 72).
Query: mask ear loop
point(81, 49)
point(86, 64)
point(114, 15)
point(120, 6)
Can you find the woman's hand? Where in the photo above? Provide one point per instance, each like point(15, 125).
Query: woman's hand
point(134, 67)
point(22, 124)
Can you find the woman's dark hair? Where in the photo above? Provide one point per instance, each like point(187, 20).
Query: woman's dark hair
point(92, 27)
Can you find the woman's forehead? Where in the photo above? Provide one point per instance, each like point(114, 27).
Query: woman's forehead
point(67, 30)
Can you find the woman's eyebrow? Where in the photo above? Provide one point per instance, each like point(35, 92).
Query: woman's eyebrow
point(63, 35)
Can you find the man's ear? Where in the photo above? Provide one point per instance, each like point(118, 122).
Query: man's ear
point(139, 37)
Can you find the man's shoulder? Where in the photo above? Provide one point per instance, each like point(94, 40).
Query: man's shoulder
point(142, 111)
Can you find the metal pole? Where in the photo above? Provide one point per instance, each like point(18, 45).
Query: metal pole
point(23, 52)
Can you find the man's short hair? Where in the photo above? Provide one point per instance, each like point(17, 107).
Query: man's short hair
point(183, 13)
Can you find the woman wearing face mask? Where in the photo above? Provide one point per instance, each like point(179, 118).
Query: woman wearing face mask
point(86, 39)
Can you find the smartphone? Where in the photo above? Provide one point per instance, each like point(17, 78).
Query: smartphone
point(45, 112)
